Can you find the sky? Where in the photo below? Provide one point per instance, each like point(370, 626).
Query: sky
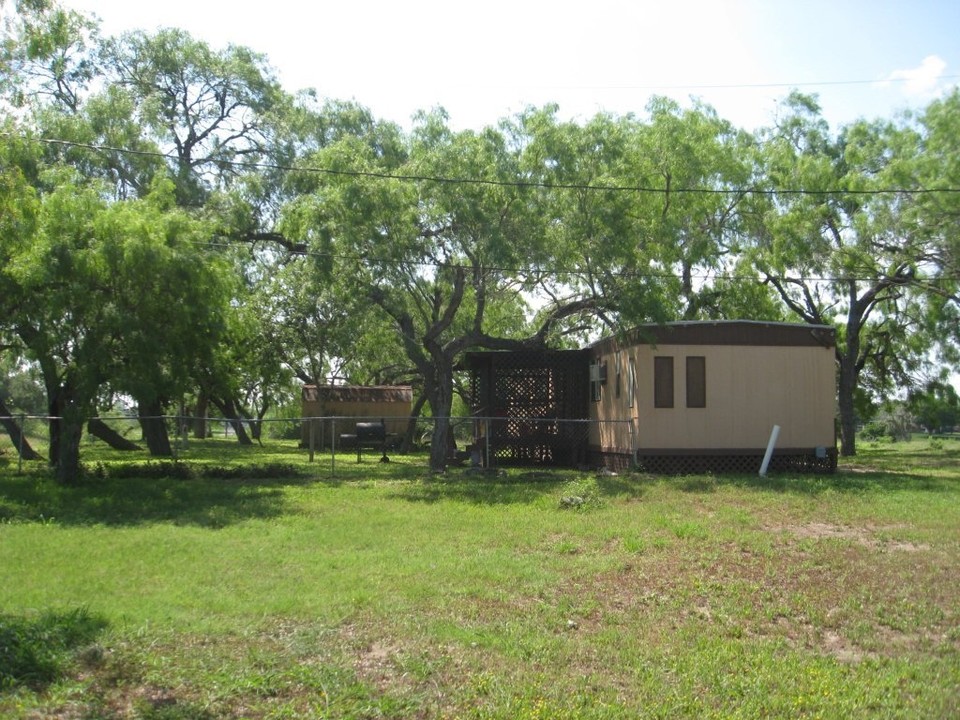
point(483, 61)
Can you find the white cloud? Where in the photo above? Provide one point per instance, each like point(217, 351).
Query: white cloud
point(923, 82)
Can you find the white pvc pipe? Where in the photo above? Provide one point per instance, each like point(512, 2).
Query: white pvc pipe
point(767, 455)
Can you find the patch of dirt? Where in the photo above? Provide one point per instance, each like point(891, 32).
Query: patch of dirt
point(375, 658)
point(836, 645)
point(866, 536)
point(837, 600)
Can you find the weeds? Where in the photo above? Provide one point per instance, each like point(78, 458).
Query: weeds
point(34, 651)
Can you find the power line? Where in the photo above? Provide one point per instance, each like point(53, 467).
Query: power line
point(368, 262)
point(623, 274)
point(520, 184)
point(749, 86)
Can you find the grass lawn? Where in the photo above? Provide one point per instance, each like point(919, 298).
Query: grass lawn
point(255, 584)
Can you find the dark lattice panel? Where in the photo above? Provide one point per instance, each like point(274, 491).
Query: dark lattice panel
point(741, 464)
point(529, 442)
point(533, 397)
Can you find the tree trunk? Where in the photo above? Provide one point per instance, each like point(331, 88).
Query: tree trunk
point(66, 432)
point(200, 417)
point(69, 470)
point(441, 403)
point(256, 429)
point(231, 414)
point(256, 426)
point(154, 427)
point(99, 429)
point(848, 357)
point(411, 433)
point(54, 412)
point(846, 387)
point(16, 435)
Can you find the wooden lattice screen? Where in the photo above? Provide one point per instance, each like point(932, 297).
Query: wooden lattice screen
point(720, 463)
point(537, 405)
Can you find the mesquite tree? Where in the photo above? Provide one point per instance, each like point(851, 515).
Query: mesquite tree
point(844, 243)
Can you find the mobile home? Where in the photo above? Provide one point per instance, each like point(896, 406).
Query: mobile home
point(705, 396)
point(672, 398)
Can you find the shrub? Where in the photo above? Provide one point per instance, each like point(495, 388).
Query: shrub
point(873, 431)
point(895, 423)
point(284, 423)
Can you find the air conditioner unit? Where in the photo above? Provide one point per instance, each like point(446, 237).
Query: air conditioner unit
point(598, 373)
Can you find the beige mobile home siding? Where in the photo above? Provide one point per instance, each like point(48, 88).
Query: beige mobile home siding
point(749, 389)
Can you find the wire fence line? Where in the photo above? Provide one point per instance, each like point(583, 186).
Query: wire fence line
point(482, 441)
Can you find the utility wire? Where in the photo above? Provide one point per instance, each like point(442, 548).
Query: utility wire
point(749, 86)
point(623, 274)
point(407, 177)
point(368, 261)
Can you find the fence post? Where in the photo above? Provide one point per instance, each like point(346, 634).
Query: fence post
point(311, 433)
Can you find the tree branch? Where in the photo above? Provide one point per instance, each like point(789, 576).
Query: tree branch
point(453, 305)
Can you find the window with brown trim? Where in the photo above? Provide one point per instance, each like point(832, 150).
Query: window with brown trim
point(598, 376)
point(663, 381)
point(616, 363)
point(696, 381)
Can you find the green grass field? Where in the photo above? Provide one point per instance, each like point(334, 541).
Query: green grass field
point(255, 584)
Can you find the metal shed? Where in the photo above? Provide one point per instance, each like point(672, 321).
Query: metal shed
point(391, 403)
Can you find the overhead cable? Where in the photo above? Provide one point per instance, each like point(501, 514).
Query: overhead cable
point(409, 177)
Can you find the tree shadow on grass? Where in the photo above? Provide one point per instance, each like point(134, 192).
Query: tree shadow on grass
point(877, 470)
point(516, 486)
point(845, 480)
point(479, 488)
point(117, 501)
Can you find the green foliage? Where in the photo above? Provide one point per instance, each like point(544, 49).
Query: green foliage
point(874, 430)
point(846, 252)
point(95, 285)
point(936, 407)
point(289, 430)
point(47, 52)
point(21, 388)
point(180, 88)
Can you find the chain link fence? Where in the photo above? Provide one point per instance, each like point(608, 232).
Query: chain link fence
point(24, 437)
point(483, 442)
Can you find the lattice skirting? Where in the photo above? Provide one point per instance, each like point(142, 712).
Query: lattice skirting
point(693, 462)
point(567, 448)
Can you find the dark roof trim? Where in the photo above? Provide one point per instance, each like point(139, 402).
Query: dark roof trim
point(357, 393)
point(725, 332)
point(519, 358)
